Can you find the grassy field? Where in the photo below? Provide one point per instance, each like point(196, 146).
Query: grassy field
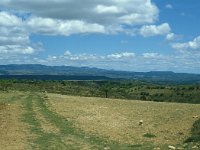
point(30, 120)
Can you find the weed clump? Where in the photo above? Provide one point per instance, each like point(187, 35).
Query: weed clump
point(149, 135)
point(195, 133)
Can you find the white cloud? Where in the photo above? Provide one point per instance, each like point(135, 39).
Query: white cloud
point(123, 55)
point(106, 12)
point(11, 30)
point(50, 26)
point(14, 37)
point(152, 30)
point(83, 57)
point(79, 57)
point(152, 55)
point(15, 32)
point(73, 17)
point(168, 6)
point(16, 49)
point(101, 9)
point(170, 36)
point(9, 20)
point(193, 45)
point(67, 53)
point(93, 57)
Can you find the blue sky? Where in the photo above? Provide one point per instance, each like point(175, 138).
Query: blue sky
point(132, 35)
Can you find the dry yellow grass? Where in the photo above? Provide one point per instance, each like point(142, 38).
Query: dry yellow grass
point(12, 131)
point(118, 119)
point(109, 119)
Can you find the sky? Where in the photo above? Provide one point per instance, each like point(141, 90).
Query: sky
point(130, 35)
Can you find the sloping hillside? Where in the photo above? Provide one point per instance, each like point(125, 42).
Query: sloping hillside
point(52, 121)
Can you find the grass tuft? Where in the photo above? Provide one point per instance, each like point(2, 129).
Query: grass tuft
point(149, 135)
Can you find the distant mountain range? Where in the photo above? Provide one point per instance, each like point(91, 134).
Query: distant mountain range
point(86, 73)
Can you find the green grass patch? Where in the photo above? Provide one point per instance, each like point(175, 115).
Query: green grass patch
point(195, 137)
point(42, 140)
point(149, 135)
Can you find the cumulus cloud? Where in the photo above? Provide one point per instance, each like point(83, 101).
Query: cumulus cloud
point(88, 57)
point(9, 20)
point(50, 26)
point(101, 9)
point(170, 36)
point(73, 17)
point(152, 30)
point(16, 49)
point(11, 29)
point(79, 57)
point(152, 55)
point(93, 57)
point(123, 55)
point(83, 57)
point(15, 31)
point(67, 53)
point(11, 50)
point(14, 38)
point(193, 45)
point(70, 17)
point(93, 11)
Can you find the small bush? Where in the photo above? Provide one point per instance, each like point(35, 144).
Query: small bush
point(195, 132)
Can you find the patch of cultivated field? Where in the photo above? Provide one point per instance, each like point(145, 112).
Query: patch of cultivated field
point(56, 122)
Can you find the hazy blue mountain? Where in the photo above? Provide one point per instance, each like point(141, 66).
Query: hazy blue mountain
point(92, 73)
